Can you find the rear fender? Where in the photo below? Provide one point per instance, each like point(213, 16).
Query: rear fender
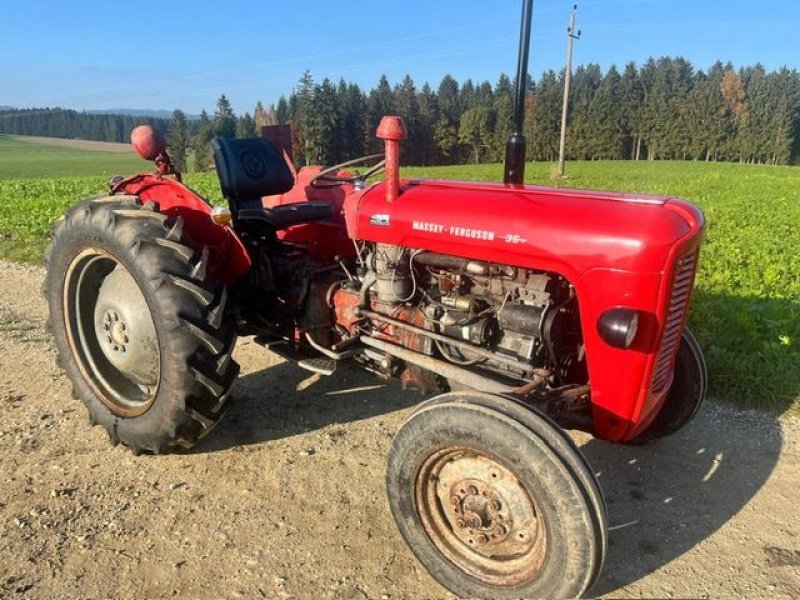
point(228, 259)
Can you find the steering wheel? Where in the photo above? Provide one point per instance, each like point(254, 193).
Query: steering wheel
point(329, 176)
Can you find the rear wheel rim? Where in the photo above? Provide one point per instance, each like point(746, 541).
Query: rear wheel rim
point(111, 333)
point(481, 517)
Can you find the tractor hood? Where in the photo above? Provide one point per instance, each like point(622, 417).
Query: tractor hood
point(569, 232)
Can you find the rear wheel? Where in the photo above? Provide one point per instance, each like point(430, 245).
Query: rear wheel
point(685, 396)
point(494, 501)
point(138, 328)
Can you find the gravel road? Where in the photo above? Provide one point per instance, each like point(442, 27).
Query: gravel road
point(286, 499)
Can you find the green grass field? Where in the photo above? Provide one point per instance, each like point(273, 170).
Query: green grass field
point(26, 160)
point(746, 310)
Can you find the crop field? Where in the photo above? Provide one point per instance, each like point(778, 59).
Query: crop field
point(25, 158)
point(746, 309)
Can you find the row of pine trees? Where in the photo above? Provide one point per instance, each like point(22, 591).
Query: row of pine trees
point(72, 124)
point(662, 109)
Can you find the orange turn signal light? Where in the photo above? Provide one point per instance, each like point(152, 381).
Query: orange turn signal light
point(221, 215)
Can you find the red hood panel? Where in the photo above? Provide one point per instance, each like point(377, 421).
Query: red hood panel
point(566, 231)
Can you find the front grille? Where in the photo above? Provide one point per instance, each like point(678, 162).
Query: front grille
point(673, 323)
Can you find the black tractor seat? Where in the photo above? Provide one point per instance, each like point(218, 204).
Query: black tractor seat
point(250, 169)
point(284, 215)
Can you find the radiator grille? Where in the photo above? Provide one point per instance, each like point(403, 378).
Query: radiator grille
point(673, 323)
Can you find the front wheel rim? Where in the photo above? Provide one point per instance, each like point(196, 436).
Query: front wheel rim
point(111, 333)
point(481, 517)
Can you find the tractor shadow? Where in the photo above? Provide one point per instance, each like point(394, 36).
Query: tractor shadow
point(284, 400)
point(663, 499)
point(666, 498)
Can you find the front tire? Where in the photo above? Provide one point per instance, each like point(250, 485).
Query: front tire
point(138, 328)
point(685, 396)
point(494, 501)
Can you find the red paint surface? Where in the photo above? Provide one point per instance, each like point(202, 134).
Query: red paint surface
point(322, 239)
point(228, 258)
point(617, 250)
point(148, 142)
point(392, 130)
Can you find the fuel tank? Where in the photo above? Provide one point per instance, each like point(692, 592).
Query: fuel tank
point(617, 250)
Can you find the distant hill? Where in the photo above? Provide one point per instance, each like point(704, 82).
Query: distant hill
point(139, 112)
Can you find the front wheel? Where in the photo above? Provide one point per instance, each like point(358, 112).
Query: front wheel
point(685, 396)
point(138, 328)
point(495, 501)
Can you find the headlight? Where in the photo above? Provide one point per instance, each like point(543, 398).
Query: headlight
point(618, 327)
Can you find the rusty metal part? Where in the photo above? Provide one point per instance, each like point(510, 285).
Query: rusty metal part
point(480, 516)
point(538, 381)
point(345, 304)
point(571, 391)
point(456, 343)
point(569, 406)
point(413, 376)
point(447, 370)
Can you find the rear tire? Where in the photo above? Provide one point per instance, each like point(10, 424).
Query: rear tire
point(685, 396)
point(464, 452)
point(138, 328)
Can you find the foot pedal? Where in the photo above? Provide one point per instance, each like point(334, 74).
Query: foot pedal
point(323, 366)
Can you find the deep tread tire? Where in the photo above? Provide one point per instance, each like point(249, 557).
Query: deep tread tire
point(686, 395)
point(541, 456)
point(195, 344)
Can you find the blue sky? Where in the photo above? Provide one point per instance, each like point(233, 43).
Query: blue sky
point(87, 54)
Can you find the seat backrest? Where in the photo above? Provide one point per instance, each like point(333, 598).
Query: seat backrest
point(249, 169)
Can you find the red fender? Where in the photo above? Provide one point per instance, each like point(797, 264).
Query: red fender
point(228, 258)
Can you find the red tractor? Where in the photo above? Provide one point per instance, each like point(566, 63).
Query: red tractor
point(527, 309)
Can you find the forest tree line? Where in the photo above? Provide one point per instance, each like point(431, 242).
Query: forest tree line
point(662, 109)
point(71, 124)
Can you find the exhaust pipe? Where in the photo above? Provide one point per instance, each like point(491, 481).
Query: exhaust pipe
point(392, 130)
point(515, 146)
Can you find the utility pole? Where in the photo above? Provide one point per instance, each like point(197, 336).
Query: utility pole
point(572, 35)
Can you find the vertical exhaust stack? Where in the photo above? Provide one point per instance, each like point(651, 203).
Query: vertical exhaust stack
point(392, 130)
point(515, 146)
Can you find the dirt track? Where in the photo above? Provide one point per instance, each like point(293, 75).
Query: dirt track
point(286, 498)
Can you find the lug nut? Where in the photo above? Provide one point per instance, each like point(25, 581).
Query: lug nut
point(472, 490)
point(461, 523)
point(482, 538)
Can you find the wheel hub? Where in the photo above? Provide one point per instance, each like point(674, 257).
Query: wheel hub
point(125, 330)
point(115, 328)
point(486, 506)
point(484, 517)
point(480, 516)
